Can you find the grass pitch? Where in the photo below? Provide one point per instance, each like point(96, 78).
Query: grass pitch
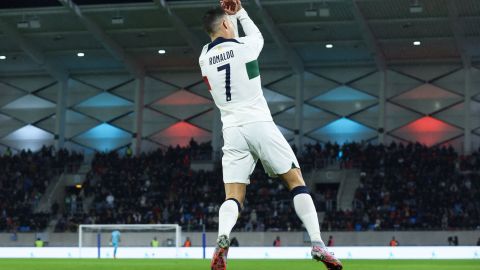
point(158, 264)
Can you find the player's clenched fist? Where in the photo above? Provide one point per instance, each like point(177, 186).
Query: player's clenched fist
point(231, 7)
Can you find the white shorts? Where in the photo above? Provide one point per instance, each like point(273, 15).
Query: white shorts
point(244, 145)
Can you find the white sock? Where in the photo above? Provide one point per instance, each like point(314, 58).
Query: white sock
point(306, 211)
point(227, 217)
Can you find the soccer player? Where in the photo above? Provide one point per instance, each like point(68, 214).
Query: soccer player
point(115, 241)
point(230, 69)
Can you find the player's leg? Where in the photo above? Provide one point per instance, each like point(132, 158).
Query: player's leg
point(227, 218)
point(237, 164)
point(115, 247)
point(230, 209)
point(278, 159)
point(305, 209)
point(303, 204)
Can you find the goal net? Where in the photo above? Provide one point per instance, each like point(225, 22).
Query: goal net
point(95, 240)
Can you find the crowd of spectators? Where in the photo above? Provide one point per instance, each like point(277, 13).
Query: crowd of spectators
point(160, 187)
point(401, 187)
point(24, 178)
point(410, 187)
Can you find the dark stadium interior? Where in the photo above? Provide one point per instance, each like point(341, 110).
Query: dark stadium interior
point(106, 120)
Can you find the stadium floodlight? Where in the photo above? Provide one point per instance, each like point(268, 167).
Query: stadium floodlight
point(324, 12)
point(23, 24)
point(35, 23)
point(95, 238)
point(118, 20)
point(311, 13)
point(416, 7)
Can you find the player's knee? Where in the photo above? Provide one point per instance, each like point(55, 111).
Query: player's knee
point(237, 193)
point(293, 178)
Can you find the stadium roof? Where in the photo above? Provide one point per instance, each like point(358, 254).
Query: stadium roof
point(119, 34)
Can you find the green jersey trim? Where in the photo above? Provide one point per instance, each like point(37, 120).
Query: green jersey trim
point(253, 70)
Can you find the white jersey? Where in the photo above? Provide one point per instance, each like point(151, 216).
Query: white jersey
point(230, 69)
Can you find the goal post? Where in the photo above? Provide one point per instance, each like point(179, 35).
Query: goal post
point(96, 237)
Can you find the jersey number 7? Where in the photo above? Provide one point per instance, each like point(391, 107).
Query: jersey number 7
point(227, 80)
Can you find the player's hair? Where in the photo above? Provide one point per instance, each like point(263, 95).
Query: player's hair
point(212, 19)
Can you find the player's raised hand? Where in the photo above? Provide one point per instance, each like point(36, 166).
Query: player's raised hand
point(231, 7)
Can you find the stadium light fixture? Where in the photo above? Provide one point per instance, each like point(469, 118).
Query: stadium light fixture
point(80, 54)
point(162, 51)
point(329, 46)
point(324, 12)
point(3, 57)
point(416, 7)
point(23, 24)
point(35, 23)
point(311, 11)
point(118, 20)
point(417, 43)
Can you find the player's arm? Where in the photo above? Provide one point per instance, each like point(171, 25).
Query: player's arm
point(248, 25)
point(231, 9)
point(234, 20)
point(253, 38)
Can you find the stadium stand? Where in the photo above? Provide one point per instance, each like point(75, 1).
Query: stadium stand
point(410, 187)
point(159, 187)
point(402, 187)
point(23, 181)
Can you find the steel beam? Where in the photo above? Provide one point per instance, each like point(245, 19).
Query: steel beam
point(56, 70)
point(459, 34)
point(135, 68)
point(182, 28)
point(368, 36)
point(292, 56)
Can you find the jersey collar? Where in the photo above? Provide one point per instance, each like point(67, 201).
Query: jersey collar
point(220, 40)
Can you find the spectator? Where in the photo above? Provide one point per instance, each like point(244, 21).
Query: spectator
point(234, 242)
point(277, 242)
point(8, 152)
point(450, 241)
point(187, 243)
point(154, 243)
point(455, 240)
point(39, 243)
point(110, 200)
point(393, 242)
point(330, 242)
point(129, 151)
point(478, 242)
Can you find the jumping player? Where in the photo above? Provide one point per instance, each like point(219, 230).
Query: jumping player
point(230, 69)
